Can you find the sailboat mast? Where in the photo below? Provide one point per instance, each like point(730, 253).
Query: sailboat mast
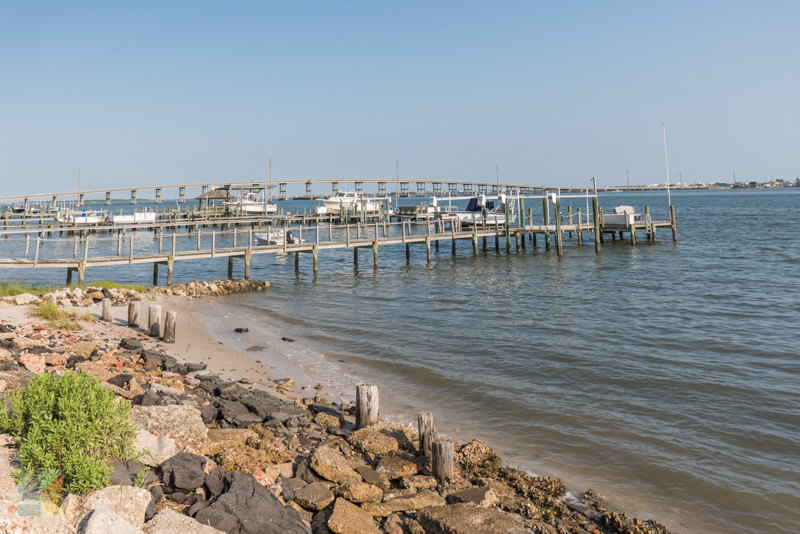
point(666, 163)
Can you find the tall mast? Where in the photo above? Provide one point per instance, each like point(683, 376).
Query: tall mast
point(666, 162)
point(497, 171)
point(397, 186)
point(627, 177)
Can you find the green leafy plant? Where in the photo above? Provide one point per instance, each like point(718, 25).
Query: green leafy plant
point(140, 477)
point(70, 423)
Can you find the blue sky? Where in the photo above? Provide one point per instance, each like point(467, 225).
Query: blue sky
point(553, 92)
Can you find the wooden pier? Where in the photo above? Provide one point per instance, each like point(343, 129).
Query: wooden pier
point(317, 235)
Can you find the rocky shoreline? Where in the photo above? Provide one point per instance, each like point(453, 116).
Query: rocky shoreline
point(224, 456)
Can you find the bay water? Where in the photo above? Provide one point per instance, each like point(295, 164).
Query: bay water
point(664, 376)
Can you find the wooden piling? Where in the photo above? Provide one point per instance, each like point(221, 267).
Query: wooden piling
point(169, 326)
point(375, 250)
point(649, 225)
point(443, 460)
point(559, 237)
point(154, 320)
point(672, 222)
point(314, 251)
point(507, 210)
point(133, 314)
point(155, 273)
point(106, 313)
point(368, 406)
point(546, 219)
point(580, 228)
point(230, 267)
point(427, 433)
point(596, 225)
point(296, 261)
point(428, 247)
point(569, 213)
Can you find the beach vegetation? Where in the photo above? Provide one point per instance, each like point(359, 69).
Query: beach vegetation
point(69, 423)
point(60, 318)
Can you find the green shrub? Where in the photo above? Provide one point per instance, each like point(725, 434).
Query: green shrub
point(70, 423)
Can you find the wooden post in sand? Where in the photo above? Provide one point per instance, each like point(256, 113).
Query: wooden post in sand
point(443, 459)
point(426, 433)
point(368, 406)
point(106, 315)
point(133, 314)
point(169, 326)
point(154, 321)
point(53, 300)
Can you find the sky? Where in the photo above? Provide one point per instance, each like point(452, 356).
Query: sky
point(553, 93)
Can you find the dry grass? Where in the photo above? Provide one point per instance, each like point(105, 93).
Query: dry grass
point(59, 318)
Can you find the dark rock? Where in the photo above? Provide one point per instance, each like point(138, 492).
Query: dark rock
point(236, 413)
point(280, 416)
point(304, 472)
point(150, 511)
point(181, 369)
point(160, 359)
point(288, 339)
point(193, 509)
point(256, 508)
point(120, 380)
point(6, 329)
point(216, 517)
point(73, 360)
point(8, 365)
point(107, 294)
point(120, 476)
point(39, 349)
point(371, 476)
point(184, 471)
point(6, 343)
point(195, 366)
point(286, 488)
point(213, 482)
point(273, 423)
point(158, 493)
point(209, 414)
point(241, 330)
point(232, 391)
point(178, 497)
point(133, 345)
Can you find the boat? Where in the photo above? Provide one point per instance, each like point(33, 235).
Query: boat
point(251, 203)
point(351, 202)
point(135, 217)
point(473, 214)
point(276, 237)
point(65, 215)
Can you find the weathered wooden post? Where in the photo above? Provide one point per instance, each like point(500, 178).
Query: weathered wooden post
point(133, 314)
point(106, 314)
point(427, 433)
point(154, 320)
point(169, 326)
point(569, 212)
point(559, 237)
point(230, 267)
point(155, 273)
point(375, 249)
point(672, 220)
point(368, 406)
point(580, 230)
point(649, 222)
point(53, 301)
point(315, 251)
point(596, 225)
point(428, 246)
point(507, 210)
point(443, 460)
point(546, 218)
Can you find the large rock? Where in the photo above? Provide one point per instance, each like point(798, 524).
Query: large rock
point(32, 362)
point(477, 455)
point(398, 465)
point(171, 522)
point(408, 503)
point(220, 439)
point(83, 348)
point(360, 492)
point(371, 476)
point(331, 465)
point(128, 502)
point(373, 440)
point(466, 519)
point(347, 518)
point(244, 459)
point(101, 520)
point(253, 508)
point(182, 423)
point(155, 450)
point(314, 497)
point(24, 299)
point(483, 496)
point(184, 471)
point(236, 414)
point(97, 370)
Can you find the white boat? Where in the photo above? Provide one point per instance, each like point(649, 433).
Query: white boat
point(276, 237)
point(473, 214)
point(251, 203)
point(66, 215)
point(352, 202)
point(136, 217)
